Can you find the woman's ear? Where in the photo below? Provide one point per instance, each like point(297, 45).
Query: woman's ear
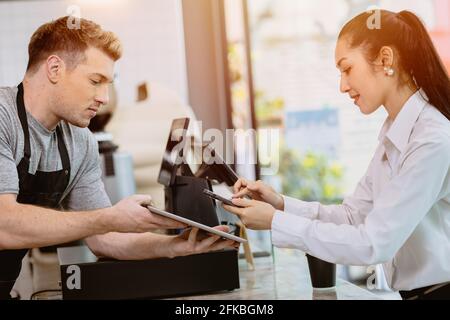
point(386, 57)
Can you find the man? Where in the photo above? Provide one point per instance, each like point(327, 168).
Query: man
point(50, 178)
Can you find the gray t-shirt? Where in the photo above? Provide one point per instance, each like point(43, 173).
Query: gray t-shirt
point(85, 190)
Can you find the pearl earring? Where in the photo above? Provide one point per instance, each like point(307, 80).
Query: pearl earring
point(389, 71)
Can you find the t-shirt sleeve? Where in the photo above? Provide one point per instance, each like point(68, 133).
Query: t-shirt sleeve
point(8, 171)
point(89, 192)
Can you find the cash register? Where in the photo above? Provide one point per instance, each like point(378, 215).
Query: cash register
point(84, 276)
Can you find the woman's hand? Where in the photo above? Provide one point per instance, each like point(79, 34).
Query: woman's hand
point(258, 191)
point(255, 215)
point(194, 242)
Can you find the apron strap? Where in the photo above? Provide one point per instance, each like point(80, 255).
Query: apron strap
point(63, 151)
point(27, 147)
point(23, 120)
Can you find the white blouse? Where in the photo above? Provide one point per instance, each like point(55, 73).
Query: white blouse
point(399, 214)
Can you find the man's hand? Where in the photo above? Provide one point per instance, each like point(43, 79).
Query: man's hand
point(255, 215)
point(194, 242)
point(258, 191)
point(132, 216)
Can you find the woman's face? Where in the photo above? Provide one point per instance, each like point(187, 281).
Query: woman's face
point(364, 82)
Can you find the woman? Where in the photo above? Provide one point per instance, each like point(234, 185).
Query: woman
point(399, 214)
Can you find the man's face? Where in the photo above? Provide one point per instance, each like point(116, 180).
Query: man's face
point(83, 90)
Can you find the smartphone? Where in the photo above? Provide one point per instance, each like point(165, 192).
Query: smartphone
point(213, 195)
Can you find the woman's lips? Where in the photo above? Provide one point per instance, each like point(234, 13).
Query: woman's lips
point(356, 98)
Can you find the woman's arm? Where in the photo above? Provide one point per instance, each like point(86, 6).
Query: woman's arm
point(352, 211)
point(423, 180)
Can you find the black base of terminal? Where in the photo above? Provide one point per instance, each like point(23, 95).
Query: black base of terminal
point(83, 276)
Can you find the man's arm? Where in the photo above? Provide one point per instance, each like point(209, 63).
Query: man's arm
point(26, 226)
point(129, 246)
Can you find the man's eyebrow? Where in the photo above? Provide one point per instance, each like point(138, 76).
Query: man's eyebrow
point(338, 65)
point(103, 77)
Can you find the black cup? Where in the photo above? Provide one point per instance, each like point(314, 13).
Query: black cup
point(322, 273)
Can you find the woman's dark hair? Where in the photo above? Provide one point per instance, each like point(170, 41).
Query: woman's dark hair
point(406, 33)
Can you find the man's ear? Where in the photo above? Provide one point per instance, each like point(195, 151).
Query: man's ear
point(55, 67)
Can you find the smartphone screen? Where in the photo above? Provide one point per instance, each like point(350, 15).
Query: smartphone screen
point(220, 198)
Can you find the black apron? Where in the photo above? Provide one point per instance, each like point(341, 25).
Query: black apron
point(44, 189)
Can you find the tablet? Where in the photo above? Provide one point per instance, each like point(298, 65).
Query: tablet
point(196, 225)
